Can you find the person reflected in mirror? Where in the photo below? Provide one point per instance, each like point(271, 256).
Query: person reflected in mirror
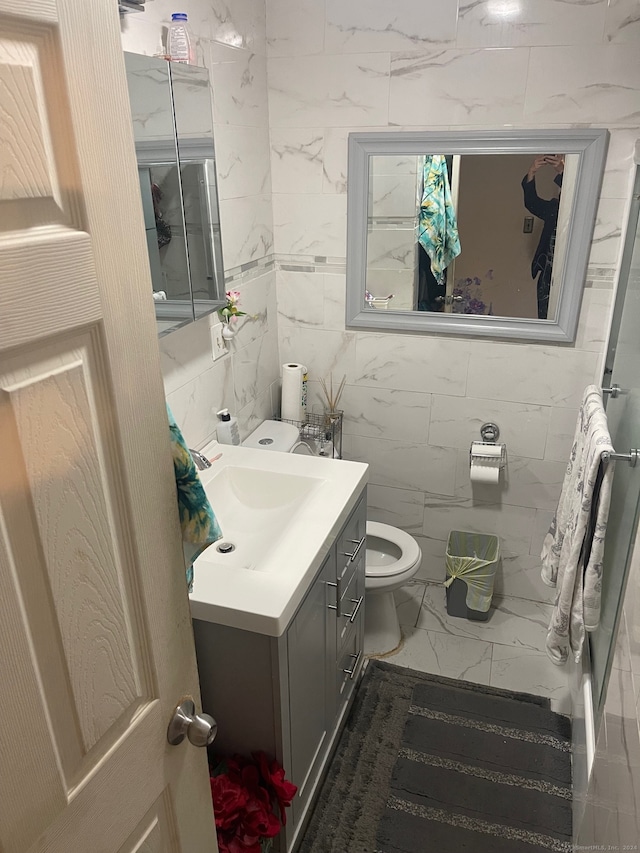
point(546, 210)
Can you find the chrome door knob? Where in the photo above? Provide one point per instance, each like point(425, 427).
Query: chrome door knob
point(201, 729)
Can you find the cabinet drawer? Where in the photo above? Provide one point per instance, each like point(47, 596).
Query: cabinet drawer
point(351, 603)
point(349, 664)
point(352, 541)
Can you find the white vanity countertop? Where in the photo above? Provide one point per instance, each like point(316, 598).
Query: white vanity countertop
point(282, 511)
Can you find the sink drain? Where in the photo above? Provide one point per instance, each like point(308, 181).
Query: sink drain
point(226, 547)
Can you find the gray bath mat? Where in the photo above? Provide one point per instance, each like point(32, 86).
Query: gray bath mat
point(432, 765)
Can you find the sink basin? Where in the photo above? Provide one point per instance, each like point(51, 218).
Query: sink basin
point(257, 491)
point(281, 513)
point(254, 507)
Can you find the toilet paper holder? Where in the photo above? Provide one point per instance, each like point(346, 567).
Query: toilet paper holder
point(488, 448)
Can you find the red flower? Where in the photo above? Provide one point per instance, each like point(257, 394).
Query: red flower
point(273, 775)
point(244, 792)
point(229, 801)
point(258, 819)
point(237, 845)
point(231, 843)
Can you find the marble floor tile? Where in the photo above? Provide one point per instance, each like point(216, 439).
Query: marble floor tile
point(433, 564)
point(531, 672)
point(514, 622)
point(518, 576)
point(506, 652)
point(408, 602)
point(453, 657)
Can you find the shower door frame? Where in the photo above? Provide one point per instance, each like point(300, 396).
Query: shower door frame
point(599, 690)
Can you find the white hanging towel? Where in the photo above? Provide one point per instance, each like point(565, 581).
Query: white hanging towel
point(573, 548)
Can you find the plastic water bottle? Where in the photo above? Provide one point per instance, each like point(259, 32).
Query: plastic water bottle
point(180, 41)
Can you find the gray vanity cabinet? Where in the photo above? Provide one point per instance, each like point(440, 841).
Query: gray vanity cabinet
point(289, 695)
point(311, 658)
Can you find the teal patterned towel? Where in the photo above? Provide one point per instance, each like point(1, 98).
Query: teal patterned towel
point(197, 520)
point(437, 225)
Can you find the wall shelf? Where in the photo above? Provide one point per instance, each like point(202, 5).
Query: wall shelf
point(126, 6)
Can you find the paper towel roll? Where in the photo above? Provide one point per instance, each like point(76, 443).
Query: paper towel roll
point(484, 472)
point(292, 391)
point(305, 378)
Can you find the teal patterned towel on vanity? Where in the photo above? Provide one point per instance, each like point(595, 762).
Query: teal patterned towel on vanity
point(437, 225)
point(199, 525)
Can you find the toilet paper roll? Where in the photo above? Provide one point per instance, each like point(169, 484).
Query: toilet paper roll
point(293, 388)
point(485, 472)
point(486, 450)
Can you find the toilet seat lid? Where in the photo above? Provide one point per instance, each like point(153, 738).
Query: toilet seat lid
point(410, 549)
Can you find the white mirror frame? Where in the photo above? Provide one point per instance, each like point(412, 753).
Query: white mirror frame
point(589, 143)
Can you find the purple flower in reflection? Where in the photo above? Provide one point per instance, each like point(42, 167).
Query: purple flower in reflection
point(468, 296)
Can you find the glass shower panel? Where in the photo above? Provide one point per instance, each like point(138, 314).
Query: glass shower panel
point(150, 97)
point(623, 413)
point(194, 129)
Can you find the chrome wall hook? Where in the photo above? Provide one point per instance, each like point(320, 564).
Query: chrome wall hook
point(490, 432)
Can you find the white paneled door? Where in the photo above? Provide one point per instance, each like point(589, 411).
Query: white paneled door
point(96, 645)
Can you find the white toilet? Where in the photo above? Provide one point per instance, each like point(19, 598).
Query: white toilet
point(393, 556)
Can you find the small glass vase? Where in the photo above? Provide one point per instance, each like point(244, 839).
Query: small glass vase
point(333, 431)
point(332, 416)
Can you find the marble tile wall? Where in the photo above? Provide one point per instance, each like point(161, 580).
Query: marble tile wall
point(414, 403)
point(245, 381)
point(231, 44)
point(392, 218)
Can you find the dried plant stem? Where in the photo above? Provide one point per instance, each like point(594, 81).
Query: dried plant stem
point(331, 398)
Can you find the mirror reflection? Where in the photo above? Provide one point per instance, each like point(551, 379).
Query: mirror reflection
point(478, 234)
point(173, 130)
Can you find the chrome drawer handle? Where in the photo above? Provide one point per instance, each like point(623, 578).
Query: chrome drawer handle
point(358, 543)
point(358, 604)
point(351, 672)
point(338, 588)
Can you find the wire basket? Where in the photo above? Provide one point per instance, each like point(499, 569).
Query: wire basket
point(322, 431)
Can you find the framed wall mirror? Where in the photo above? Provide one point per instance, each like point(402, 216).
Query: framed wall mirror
point(173, 129)
point(471, 233)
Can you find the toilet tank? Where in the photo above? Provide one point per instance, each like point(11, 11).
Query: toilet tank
point(273, 435)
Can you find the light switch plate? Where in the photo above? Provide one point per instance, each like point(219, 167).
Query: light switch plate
point(218, 345)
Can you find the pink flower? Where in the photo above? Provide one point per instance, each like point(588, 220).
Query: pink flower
point(230, 311)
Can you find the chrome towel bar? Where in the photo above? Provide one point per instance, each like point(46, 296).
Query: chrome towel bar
point(631, 457)
point(614, 391)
